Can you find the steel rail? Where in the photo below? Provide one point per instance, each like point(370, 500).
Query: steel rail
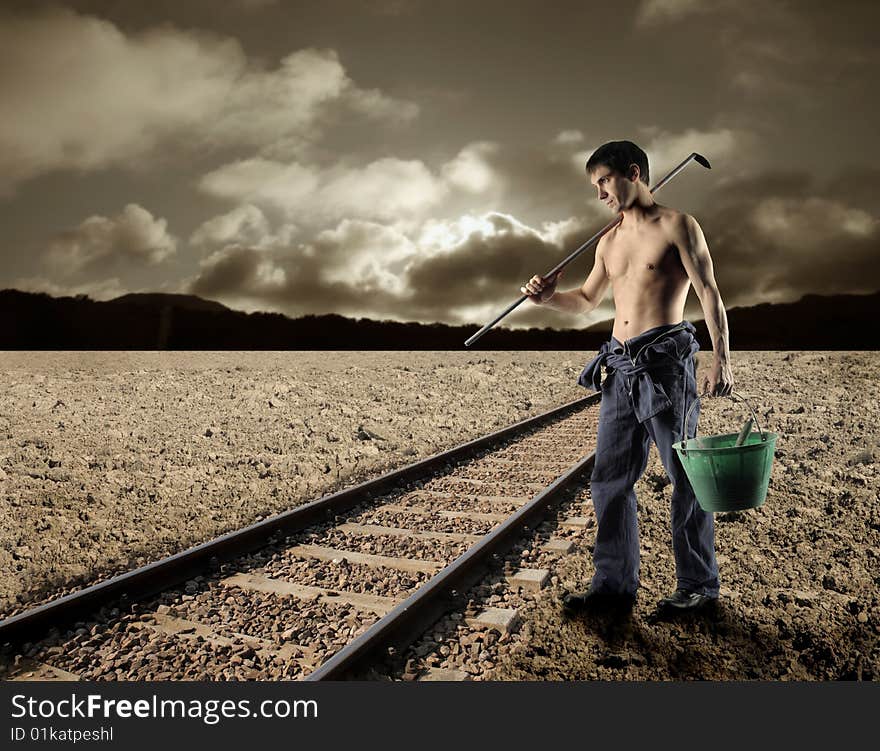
point(430, 602)
point(30, 625)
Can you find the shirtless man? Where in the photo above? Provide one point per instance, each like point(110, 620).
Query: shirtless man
point(650, 260)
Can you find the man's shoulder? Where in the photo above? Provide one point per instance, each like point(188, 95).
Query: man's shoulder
point(677, 223)
point(674, 217)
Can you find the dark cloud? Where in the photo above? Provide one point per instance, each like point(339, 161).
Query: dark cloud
point(461, 284)
point(133, 237)
point(290, 283)
point(231, 271)
point(777, 237)
point(482, 267)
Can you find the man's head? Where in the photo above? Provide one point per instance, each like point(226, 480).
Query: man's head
point(616, 168)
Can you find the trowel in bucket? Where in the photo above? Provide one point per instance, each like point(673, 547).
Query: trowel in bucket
point(744, 432)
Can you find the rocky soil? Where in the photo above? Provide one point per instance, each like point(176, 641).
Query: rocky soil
point(109, 460)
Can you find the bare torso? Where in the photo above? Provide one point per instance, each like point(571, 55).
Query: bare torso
point(648, 281)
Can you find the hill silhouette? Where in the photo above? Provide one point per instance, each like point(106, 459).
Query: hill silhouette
point(159, 299)
point(36, 321)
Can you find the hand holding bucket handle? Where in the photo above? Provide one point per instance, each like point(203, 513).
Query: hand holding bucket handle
point(687, 417)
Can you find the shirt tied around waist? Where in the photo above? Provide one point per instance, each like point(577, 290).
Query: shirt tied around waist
point(673, 346)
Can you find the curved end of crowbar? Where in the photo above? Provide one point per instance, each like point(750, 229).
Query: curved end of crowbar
point(700, 159)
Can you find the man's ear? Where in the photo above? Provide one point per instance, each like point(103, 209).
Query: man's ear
point(634, 173)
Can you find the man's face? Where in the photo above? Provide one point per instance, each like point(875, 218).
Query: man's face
point(614, 189)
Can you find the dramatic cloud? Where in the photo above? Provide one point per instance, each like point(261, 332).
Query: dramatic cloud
point(134, 237)
point(390, 253)
point(470, 169)
point(486, 264)
point(371, 257)
point(265, 182)
point(79, 93)
point(240, 273)
point(244, 225)
point(384, 189)
point(428, 268)
point(365, 260)
point(772, 238)
point(456, 271)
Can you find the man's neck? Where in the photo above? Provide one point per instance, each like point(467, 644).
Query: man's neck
point(640, 209)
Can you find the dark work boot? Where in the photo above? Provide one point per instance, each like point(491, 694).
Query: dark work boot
point(685, 601)
point(593, 601)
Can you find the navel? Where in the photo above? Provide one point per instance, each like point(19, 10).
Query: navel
point(651, 266)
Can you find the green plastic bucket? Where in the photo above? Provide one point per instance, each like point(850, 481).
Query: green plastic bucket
point(724, 476)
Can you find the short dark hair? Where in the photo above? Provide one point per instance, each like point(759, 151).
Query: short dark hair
point(618, 156)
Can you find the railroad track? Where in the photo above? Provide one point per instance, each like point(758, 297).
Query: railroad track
point(337, 588)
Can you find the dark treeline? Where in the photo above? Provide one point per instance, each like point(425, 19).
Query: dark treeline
point(33, 321)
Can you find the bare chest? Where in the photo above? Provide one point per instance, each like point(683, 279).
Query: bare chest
point(641, 255)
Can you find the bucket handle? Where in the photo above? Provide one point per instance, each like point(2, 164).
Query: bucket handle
point(732, 394)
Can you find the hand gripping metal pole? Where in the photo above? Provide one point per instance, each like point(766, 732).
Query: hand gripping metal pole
point(589, 244)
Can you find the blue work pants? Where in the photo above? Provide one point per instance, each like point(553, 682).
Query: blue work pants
point(621, 456)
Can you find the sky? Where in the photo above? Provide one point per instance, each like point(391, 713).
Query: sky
point(418, 161)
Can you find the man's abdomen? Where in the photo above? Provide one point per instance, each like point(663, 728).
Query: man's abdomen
point(636, 311)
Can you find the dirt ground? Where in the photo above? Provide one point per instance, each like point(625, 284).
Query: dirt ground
point(109, 460)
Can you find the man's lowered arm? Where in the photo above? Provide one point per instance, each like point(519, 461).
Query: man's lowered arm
point(695, 258)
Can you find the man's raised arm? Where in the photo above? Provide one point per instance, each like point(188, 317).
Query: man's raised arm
point(542, 291)
point(695, 258)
